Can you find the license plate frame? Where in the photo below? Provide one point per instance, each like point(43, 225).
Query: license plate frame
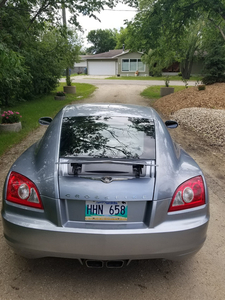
point(106, 210)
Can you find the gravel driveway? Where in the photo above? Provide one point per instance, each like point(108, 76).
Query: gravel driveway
point(201, 277)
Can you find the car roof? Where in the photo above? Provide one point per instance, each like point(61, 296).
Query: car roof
point(109, 109)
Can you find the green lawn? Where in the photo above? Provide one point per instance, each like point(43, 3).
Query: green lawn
point(153, 92)
point(171, 78)
point(31, 111)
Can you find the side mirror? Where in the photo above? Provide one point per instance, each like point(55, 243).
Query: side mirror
point(171, 124)
point(45, 120)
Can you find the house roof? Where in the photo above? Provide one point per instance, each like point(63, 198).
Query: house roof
point(107, 55)
point(111, 54)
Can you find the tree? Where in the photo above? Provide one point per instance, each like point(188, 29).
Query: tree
point(158, 59)
point(189, 46)
point(214, 56)
point(12, 73)
point(102, 40)
point(50, 10)
point(49, 56)
point(214, 66)
point(35, 58)
point(161, 46)
point(177, 15)
point(34, 46)
point(121, 38)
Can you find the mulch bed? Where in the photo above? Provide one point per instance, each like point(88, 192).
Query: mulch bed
point(212, 97)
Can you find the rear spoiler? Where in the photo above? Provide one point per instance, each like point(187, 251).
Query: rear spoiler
point(104, 161)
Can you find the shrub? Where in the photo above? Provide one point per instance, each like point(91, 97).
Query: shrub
point(210, 79)
point(167, 81)
point(185, 81)
point(214, 66)
point(201, 87)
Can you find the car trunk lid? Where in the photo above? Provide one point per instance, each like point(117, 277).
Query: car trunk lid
point(88, 190)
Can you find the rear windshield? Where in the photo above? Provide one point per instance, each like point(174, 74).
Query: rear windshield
point(107, 137)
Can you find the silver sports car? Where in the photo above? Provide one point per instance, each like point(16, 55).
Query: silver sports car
point(105, 184)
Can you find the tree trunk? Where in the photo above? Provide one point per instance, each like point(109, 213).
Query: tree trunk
point(186, 67)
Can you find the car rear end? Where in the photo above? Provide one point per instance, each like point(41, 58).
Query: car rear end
point(112, 202)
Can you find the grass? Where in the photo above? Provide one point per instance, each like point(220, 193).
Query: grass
point(31, 111)
point(153, 92)
point(171, 78)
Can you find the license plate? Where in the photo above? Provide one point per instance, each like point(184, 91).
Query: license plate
point(105, 211)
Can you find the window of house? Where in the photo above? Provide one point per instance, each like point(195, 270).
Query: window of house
point(125, 65)
point(132, 65)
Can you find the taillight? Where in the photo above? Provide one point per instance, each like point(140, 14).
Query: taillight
point(23, 191)
point(189, 194)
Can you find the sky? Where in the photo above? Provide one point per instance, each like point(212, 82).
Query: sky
point(110, 18)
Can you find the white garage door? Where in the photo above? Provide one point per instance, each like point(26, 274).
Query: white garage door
point(102, 68)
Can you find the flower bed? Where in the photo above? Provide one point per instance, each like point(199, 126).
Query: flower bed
point(60, 95)
point(10, 121)
point(10, 117)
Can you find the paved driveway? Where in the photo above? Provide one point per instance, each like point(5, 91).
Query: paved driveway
point(102, 80)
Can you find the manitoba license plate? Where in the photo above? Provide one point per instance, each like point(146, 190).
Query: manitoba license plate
point(106, 211)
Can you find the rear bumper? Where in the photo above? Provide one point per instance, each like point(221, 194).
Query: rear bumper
point(47, 240)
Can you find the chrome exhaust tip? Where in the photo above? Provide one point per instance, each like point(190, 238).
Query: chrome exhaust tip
point(94, 264)
point(115, 264)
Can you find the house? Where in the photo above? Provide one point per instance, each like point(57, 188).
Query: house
point(81, 66)
point(114, 62)
point(174, 69)
point(123, 63)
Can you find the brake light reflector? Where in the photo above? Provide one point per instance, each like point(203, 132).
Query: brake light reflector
point(189, 194)
point(22, 190)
